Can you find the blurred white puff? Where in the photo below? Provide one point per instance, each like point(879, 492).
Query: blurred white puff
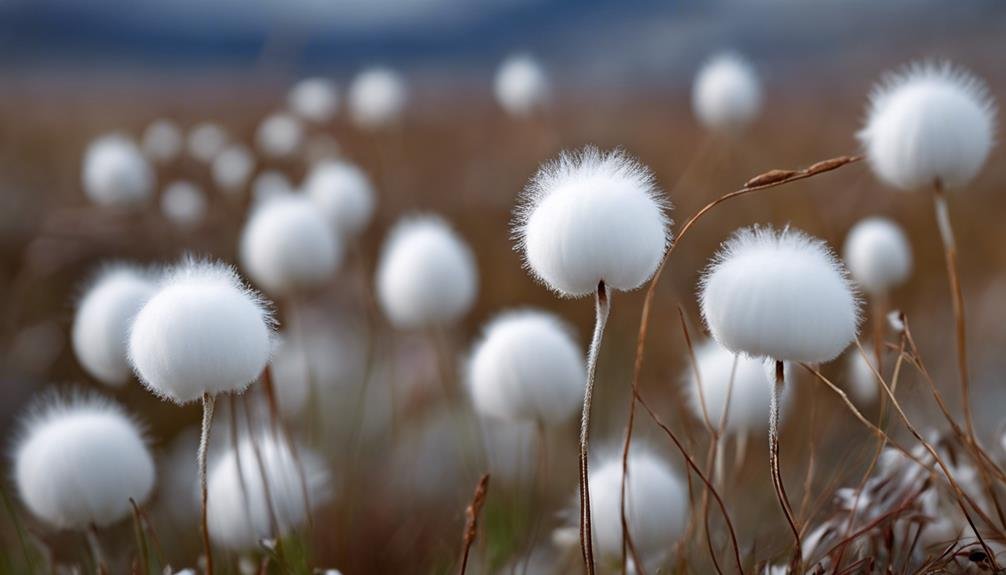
point(183, 204)
point(103, 318)
point(426, 275)
point(343, 193)
point(656, 506)
point(287, 246)
point(527, 367)
point(779, 294)
point(279, 135)
point(377, 98)
point(742, 379)
point(314, 99)
point(270, 184)
point(116, 174)
point(878, 255)
point(232, 168)
point(863, 384)
point(203, 331)
point(162, 141)
point(291, 375)
point(206, 140)
point(929, 122)
point(521, 85)
point(78, 461)
point(727, 94)
point(239, 519)
point(592, 216)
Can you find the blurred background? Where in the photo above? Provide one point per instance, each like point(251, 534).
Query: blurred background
point(620, 75)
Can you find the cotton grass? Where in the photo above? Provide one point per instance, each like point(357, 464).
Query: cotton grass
point(314, 99)
point(377, 98)
point(279, 136)
point(115, 173)
point(184, 204)
point(344, 194)
point(232, 168)
point(727, 93)
point(162, 141)
point(521, 86)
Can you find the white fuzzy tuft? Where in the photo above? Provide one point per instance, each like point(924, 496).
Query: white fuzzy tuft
point(203, 331)
point(527, 367)
point(779, 294)
point(656, 506)
point(344, 194)
point(115, 173)
point(521, 85)
point(79, 460)
point(727, 94)
point(314, 99)
point(377, 98)
point(426, 275)
point(863, 384)
point(183, 204)
point(104, 316)
point(287, 246)
point(878, 255)
point(279, 136)
point(929, 122)
point(589, 217)
point(206, 140)
point(749, 393)
point(232, 168)
point(162, 141)
point(239, 519)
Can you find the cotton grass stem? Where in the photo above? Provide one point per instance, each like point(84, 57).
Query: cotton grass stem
point(97, 553)
point(603, 308)
point(773, 454)
point(209, 400)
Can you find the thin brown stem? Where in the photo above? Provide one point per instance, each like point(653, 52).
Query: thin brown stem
point(603, 309)
point(209, 400)
point(773, 455)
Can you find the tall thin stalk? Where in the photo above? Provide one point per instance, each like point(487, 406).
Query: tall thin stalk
point(602, 307)
point(209, 400)
point(773, 454)
point(94, 543)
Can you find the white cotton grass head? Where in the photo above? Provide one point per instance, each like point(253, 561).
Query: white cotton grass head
point(314, 99)
point(279, 136)
point(926, 123)
point(377, 98)
point(727, 93)
point(426, 275)
point(521, 85)
point(232, 168)
point(203, 331)
point(184, 204)
point(591, 217)
point(739, 383)
point(116, 174)
point(780, 294)
point(162, 141)
point(79, 459)
point(102, 320)
point(862, 381)
point(287, 246)
point(656, 505)
point(343, 193)
point(238, 522)
point(527, 367)
point(878, 255)
point(205, 141)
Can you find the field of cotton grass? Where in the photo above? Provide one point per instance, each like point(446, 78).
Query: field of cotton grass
point(354, 325)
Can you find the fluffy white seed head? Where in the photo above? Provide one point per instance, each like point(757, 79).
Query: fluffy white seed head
point(343, 193)
point(115, 173)
point(929, 122)
point(232, 168)
point(280, 135)
point(878, 255)
point(589, 217)
point(206, 140)
point(314, 99)
point(184, 204)
point(270, 184)
point(521, 85)
point(79, 460)
point(103, 318)
point(746, 382)
point(287, 246)
point(426, 275)
point(727, 94)
point(863, 384)
point(779, 294)
point(377, 98)
point(656, 505)
point(203, 331)
point(527, 367)
point(239, 519)
point(162, 141)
